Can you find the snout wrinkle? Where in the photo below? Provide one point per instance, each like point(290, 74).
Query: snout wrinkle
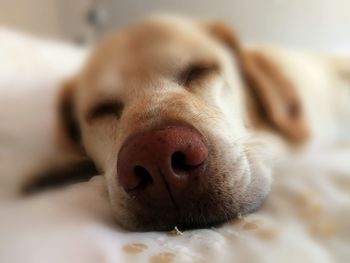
point(169, 190)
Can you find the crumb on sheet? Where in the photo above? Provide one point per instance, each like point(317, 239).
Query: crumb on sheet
point(165, 257)
point(323, 229)
point(268, 233)
point(254, 224)
point(134, 248)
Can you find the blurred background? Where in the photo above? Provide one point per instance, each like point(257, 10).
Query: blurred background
point(308, 24)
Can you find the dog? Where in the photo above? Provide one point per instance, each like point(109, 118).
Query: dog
point(179, 116)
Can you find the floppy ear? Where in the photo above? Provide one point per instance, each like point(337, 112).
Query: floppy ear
point(276, 96)
point(68, 131)
point(72, 165)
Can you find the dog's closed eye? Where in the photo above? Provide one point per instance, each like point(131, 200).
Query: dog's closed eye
point(105, 109)
point(197, 72)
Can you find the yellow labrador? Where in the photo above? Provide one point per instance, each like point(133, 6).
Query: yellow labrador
point(170, 109)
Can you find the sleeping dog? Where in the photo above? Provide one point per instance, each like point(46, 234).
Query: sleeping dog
point(178, 116)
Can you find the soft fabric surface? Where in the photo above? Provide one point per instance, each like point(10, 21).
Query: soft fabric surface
point(305, 218)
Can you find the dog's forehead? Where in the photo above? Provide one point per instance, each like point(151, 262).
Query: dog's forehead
point(153, 34)
point(150, 45)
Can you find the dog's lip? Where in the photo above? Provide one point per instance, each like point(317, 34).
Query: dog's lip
point(185, 226)
point(166, 220)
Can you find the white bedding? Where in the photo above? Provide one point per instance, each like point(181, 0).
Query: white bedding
point(305, 218)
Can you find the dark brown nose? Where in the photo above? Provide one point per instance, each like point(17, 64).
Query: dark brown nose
point(159, 166)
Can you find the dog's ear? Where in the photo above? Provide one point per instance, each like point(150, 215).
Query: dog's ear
point(68, 131)
point(70, 164)
point(276, 96)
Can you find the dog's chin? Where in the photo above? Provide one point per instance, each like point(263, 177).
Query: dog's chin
point(214, 208)
point(168, 220)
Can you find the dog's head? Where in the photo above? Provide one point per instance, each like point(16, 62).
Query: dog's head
point(161, 109)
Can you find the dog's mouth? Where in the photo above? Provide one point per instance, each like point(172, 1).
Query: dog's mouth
point(193, 209)
point(190, 213)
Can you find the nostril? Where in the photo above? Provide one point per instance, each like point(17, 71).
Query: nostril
point(143, 176)
point(178, 162)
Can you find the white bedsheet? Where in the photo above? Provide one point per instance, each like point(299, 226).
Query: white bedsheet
point(306, 218)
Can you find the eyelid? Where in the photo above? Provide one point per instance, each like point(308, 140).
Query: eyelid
point(104, 109)
point(197, 70)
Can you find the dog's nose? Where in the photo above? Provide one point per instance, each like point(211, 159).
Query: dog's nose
point(159, 166)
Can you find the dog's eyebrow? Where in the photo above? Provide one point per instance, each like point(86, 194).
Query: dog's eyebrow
point(201, 60)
